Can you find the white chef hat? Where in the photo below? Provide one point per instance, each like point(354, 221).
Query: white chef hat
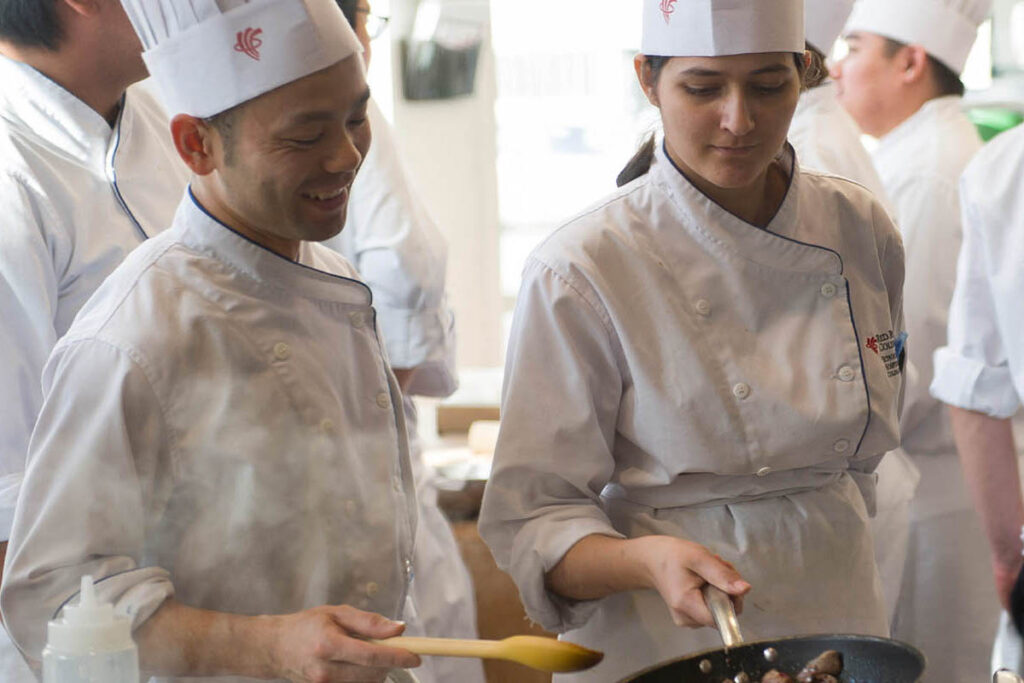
point(714, 28)
point(946, 29)
point(824, 20)
point(207, 56)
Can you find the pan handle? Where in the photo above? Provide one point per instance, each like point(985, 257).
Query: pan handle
point(724, 613)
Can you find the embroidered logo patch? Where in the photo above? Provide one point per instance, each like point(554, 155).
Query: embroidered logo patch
point(249, 42)
point(667, 8)
point(889, 347)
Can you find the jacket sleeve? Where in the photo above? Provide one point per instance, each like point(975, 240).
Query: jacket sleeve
point(94, 458)
point(973, 371)
point(399, 252)
point(561, 398)
point(933, 243)
point(29, 287)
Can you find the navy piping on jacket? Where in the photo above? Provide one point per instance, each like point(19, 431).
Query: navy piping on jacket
point(202, 208)
point(112, 173)
point(849, 299)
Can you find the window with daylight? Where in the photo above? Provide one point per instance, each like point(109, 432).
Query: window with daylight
point(569, 114)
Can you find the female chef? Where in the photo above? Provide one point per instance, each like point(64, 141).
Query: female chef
point(705, 368)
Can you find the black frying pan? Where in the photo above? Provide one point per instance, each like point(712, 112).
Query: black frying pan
point(866, 659)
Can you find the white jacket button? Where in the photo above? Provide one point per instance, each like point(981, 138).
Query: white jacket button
point(351, 507)
point(356, 318)
point(282, 351)
point(847, 374)
point(828, 290)
point(741, 391)
point(764, 471)
point(327, 426)
point(703, 307)
point(372, 589)
point(841, 446)
point(383, 400)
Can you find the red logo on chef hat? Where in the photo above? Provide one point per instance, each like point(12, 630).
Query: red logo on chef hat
point(667, 8)
point(249, 42)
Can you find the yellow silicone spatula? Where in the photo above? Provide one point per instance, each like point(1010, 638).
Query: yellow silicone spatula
point(544, 654)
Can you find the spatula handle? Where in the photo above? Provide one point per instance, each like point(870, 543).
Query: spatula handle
point(448, 647)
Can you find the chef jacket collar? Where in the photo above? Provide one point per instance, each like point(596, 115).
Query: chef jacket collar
point(931, 111)
point(775, 246)
point(30, 100)
point(273, 273)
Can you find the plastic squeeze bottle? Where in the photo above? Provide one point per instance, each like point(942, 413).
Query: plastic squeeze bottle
point(90, 644)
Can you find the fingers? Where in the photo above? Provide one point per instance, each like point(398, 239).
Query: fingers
point(365, 624)
point(720, 574)
point(338, 645)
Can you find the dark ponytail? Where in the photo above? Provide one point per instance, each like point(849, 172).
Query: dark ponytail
point(641, 162)
point(639, 165)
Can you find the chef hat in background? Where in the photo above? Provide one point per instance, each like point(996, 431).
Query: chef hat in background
point(714, 28)
point(824, 20)
point(206, 56)
point(946, 29)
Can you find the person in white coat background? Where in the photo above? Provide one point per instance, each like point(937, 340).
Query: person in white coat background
point(980, 373)
point(823, 134)
point(393, 242)
point(87, 172)
point(222, 444)
point(900, 82)
point(704, 370)
point(826, 138)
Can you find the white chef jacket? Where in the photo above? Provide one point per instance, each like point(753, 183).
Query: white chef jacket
point(981, 367)
point(675, 370)
point(77, 196)
point(826, 138)
point(220, 424)
point(394, 244)
point(920, 163)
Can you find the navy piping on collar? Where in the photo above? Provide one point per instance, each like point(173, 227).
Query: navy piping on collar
point(842, 267)
point(111, 168)
point(213, 218)
point(849, 299)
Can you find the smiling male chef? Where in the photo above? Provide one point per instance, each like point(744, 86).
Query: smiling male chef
point(221, 443)
point(900, 81)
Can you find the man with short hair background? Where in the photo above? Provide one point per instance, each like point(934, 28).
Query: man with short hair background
point(900, 82)
point(87, 172)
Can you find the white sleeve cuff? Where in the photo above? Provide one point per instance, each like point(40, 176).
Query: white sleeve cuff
point(10, 485)
point(970, 384)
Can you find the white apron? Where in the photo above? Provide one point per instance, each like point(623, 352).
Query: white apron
point(676, 370)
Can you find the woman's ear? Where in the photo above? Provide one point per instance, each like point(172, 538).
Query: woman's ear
point(196, 142)
point(645, 76)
